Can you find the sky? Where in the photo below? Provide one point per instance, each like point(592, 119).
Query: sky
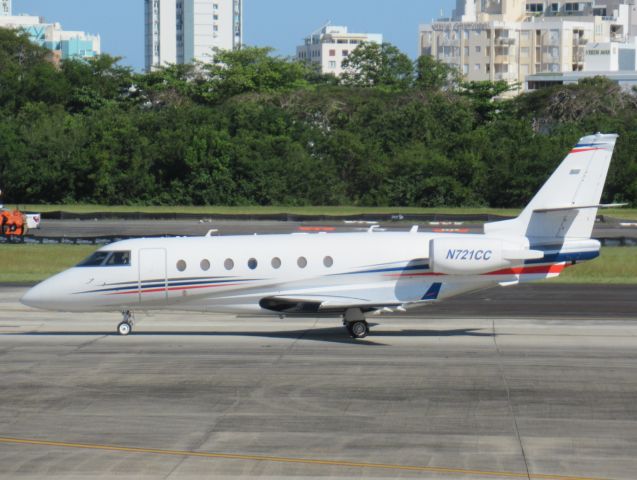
point(281, 24)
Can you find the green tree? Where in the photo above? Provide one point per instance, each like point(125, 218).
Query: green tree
point(251, 69)
point(435, 75)
point(375, 65)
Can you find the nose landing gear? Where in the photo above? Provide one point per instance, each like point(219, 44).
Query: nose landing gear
point(355, 323)
point(126, 326)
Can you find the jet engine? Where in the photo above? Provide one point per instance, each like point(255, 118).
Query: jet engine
point(475, 256)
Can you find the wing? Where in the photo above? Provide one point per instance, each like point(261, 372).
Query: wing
point(317, 304)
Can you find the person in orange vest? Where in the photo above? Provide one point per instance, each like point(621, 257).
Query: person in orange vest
point(12, 223)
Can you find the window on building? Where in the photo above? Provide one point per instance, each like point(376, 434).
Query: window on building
point(466, 51)
point(465, 69)
point(215, 17)
point(535, 7)
point(525, 36)
point(524, 70)
point(478, 49)
point(332, 53)
point(215, 6)
point(331, 64)
point(524, 52)
point(501, 68)
point(345, 53)
point(476, 67)
point(215, 28)
point(502, 50)
point(465, 34)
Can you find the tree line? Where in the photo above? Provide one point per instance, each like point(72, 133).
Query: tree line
point(250, 128)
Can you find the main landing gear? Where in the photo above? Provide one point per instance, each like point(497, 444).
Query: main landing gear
point(126, 326)
point(355, 323)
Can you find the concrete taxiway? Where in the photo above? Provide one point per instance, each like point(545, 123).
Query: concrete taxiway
point(445, 394)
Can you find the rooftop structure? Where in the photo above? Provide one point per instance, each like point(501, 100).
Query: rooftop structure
point(330, 45)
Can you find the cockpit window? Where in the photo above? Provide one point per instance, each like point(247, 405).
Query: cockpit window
point(107, 259)
point(118, 259)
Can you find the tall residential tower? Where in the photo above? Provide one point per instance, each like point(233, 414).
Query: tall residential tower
point(182, 31)
point(5, 8)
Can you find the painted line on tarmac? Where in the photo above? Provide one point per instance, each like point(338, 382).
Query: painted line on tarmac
point(303, 461)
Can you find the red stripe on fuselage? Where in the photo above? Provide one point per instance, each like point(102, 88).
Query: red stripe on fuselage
point(580, 150)
point(555, 268)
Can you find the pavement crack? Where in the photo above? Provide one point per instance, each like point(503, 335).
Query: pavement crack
point(86, 344)
point(293, 344)
point(508, 391)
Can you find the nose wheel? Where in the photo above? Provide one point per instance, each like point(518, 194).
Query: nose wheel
point(126, 326)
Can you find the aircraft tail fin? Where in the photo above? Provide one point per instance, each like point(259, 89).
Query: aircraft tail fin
point(566, 205)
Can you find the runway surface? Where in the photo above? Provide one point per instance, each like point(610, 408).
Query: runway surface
point(536, 391)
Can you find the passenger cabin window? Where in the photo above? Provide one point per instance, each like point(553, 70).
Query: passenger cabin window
point(205, 265)
point(181, 265)
point(228, 264)
point(107, 259)
point(276, 263)
point(252, 263)
point(302, 262)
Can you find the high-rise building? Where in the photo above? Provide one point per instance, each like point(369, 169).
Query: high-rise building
point(331, 45)
point(5, 8)
point(183, 31)
point(511, 39)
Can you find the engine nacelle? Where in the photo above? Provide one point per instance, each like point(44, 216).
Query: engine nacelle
point(475, 256)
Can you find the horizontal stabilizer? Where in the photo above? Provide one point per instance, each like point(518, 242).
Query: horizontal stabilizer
point(577, 207)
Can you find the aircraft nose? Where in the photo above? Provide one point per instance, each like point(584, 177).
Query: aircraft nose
point(39, 297)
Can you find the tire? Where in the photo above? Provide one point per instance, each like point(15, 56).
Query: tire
point(358, 329)
point(124, 328)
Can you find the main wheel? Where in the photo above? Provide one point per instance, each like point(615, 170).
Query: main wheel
point(358, 329)
point(124, 328)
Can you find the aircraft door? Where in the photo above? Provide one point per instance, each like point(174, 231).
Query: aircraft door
point(152, 276)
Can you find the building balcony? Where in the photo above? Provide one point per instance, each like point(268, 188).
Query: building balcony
point(505, 41)
point(448, 42)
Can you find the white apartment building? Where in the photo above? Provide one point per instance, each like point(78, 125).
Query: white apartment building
point(510, 39)
point(5, 8)
point(182, 31)
point(331, 45)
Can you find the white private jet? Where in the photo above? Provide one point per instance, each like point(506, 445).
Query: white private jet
point(345, 274)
